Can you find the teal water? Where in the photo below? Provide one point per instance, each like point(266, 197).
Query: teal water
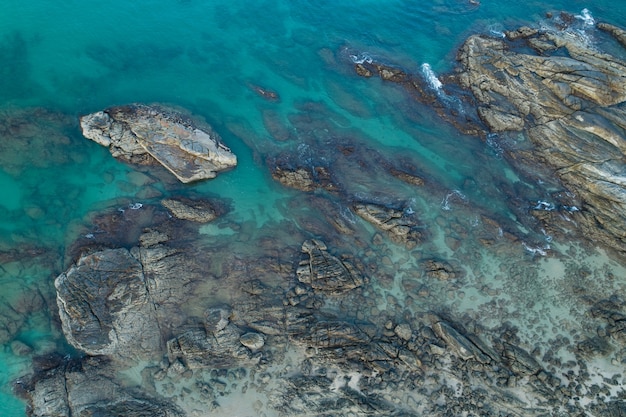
point(64, 59)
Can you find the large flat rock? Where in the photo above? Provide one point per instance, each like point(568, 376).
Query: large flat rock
point(132, 132)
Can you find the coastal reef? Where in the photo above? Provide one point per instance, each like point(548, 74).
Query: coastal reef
point(552, 102)
point(374, 288)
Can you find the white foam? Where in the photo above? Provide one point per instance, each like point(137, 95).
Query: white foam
point(361, 58)
point(445, 204)
point(585, 16)
point(536, 250)
point(431, 77)
point(544, 205)
point(135, 206)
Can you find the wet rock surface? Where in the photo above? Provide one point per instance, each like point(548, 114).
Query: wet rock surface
point(140, 134)
point(86, 388)
point(402, 227)
point(192, 210)
point(570, 108)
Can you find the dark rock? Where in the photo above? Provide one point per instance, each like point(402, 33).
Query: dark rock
point(440, 270)
point(401, 227)
point(219, 350)
point(106, 308)
point(303, 178)
point(199, 211)
point(86, 390)
point(519, 361)
point(324, 272)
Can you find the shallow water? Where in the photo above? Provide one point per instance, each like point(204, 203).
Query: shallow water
point(65, 60)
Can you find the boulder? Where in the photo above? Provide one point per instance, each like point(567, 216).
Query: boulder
point(325, 272)
point(106, 308)
point(138, 133)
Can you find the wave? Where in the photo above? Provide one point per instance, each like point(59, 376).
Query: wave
point(445, 203)
point(536, 250)
point(585, 16)
point(431, 77)
point(361, 58)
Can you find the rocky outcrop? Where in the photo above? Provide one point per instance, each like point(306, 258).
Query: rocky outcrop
point(401, 227)
point(86, 389)
point(303, 178)
point(568, 98)
point(220, 350)
point(192, 210)
point(105, 306)
point(325, 272)
point(138, 133)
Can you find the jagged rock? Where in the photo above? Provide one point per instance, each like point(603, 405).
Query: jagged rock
point(304, 179)
point(401, 227)
point(567, 98)
point(87, 390)
point(193, 210)
point(106, 308)
point(152, 238)
point(325, 272)
point(520, 361)
point(460, 345)
point(216, 319)
point(220, 350)
point(440, 270)
point(135, 131)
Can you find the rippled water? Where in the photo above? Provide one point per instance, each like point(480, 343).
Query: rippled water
point(65, 59)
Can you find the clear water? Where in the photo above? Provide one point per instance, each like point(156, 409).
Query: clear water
point(75, 57)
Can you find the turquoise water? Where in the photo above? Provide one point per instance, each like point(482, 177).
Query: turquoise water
point(64, 59)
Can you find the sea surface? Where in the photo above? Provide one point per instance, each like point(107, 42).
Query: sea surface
point(61, 60)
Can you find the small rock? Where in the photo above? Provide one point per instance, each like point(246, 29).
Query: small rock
point(253, 341)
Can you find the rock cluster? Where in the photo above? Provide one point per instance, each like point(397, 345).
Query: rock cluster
point(141, 133)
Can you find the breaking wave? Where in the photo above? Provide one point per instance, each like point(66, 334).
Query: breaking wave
point(431, 77)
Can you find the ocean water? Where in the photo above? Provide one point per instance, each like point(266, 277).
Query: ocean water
point(64, 59)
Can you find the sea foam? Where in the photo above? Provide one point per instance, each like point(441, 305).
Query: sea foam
point(431, 77)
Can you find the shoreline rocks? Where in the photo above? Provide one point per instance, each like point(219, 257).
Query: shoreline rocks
point(139, 133)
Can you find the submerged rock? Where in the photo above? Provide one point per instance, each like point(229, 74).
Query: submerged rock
point(138, 133)
point(192, 210)
point(401, 227)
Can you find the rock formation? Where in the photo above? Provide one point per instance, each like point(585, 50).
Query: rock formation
point(324, 272)
point(568, 98)
point(401, 227)
point(105, 306)
point(140, 133)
